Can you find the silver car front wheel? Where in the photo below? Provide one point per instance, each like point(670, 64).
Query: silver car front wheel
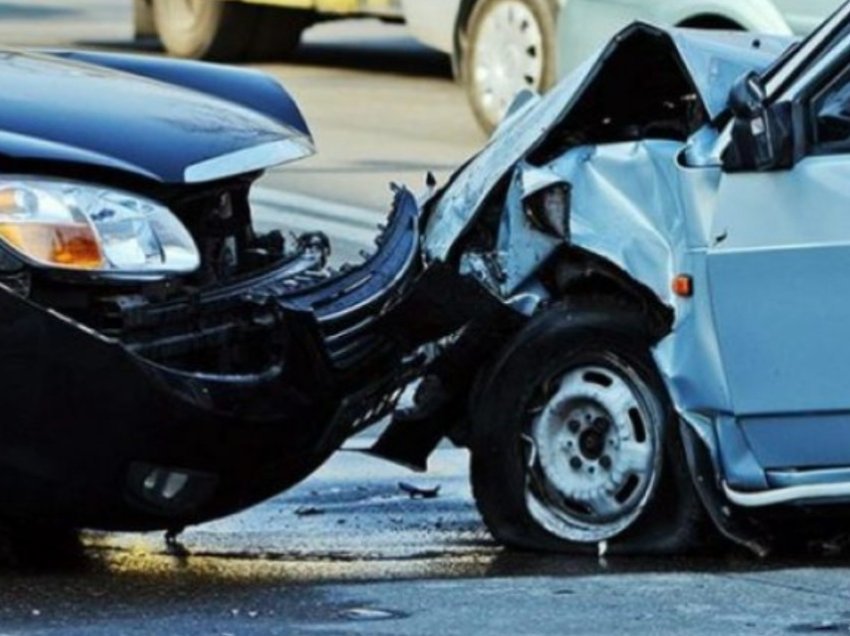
point(574, 440)
point(594, 454)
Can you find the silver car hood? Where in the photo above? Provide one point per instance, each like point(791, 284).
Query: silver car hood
point(713, 60)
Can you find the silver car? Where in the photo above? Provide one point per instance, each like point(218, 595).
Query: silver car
point(646, 278)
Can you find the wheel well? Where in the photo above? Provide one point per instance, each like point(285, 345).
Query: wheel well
point(711, 21)
point(588, 277)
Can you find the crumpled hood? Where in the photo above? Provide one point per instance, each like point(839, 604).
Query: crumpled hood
point(712, 61)
point(60, 110)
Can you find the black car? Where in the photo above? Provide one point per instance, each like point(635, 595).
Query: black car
point(162, 362)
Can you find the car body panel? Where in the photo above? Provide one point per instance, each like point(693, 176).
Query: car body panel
point(433, 22)
point(153, 129)
point(240, 86)
point(788, 260)
point(384, 8)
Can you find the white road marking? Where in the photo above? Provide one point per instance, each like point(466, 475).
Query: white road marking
point(304, 213)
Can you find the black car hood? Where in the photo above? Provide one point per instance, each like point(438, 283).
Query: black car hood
point(172, 122)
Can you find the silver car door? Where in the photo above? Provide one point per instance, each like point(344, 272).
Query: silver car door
point(779, 268)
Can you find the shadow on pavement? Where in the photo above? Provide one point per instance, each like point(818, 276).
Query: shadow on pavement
point(66, 555)
point(390, 55)
point(395, 56)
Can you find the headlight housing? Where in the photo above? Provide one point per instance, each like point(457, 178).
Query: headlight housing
point(74, 226)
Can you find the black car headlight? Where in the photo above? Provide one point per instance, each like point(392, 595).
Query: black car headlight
point(74, 226)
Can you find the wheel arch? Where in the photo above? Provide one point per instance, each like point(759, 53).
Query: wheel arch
point(714, 21)
point(579, 274)
point(760, 16)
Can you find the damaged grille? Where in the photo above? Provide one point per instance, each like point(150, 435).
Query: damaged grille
point(242, 326)
point(349, 303)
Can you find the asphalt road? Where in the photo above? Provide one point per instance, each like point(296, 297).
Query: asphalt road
point(348, 552)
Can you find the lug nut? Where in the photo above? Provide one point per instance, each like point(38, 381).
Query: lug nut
point(605, 462)
point(575, 463)
point(574, 426)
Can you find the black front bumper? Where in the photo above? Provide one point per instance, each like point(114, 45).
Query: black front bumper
point(115, 433)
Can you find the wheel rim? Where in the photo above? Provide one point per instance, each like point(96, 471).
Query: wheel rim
point(593, 451)
point(186, 15)
point(507, 57)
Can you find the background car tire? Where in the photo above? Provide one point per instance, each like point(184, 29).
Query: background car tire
point(670, 519)
point(227, 31)
point(510, 45)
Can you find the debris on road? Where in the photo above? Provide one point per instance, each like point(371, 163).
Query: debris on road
point(415, 492)
point(309, 511)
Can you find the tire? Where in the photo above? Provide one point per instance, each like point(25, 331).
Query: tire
point(541, 435)
point(206, 29)
point(496, 66)
point(278, 33)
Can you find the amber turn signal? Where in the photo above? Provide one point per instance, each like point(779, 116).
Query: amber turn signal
point(683, 285)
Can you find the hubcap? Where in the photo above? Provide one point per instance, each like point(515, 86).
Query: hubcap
point(188, 14)
point(507, 57)
point(594, 452)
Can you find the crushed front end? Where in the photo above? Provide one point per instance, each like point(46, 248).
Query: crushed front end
point(135, 405)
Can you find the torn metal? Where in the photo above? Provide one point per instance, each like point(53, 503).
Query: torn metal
point(619, 175)
point(144, 396)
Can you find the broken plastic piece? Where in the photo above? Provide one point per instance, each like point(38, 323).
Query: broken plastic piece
point(309, 511)
point(416, 492)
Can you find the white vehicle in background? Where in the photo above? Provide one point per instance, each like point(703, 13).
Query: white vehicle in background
point(585, 25)
point(500, 47)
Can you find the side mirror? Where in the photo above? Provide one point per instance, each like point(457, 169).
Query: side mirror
point(748, 96)
point(761, 132)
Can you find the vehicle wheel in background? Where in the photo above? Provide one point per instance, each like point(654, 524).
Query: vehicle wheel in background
point(575, 441)
point(228, 31)
point(510, 47)
point(206, 29)
point(143, 23)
